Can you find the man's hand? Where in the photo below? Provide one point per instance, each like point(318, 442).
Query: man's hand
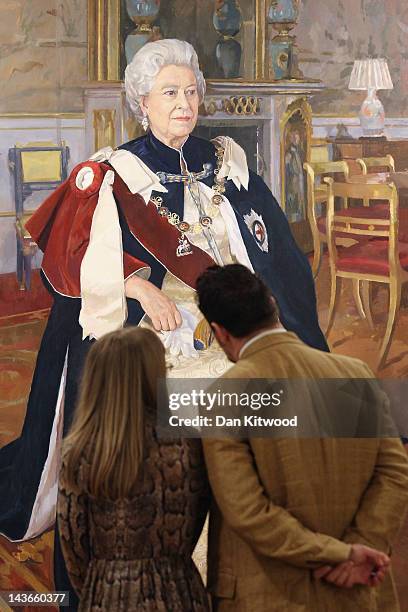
point(365, 566)
point(162, 311)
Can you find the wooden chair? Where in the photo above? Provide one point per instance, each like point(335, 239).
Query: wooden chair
point(34, 167)
point(317, 195)
point(377, 257)
point(367, 163)
point(375, 163)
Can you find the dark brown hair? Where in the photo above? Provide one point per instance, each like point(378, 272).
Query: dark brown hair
point(235, 298)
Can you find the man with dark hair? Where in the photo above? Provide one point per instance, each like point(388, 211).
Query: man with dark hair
point(237, 299)
point(295, 520)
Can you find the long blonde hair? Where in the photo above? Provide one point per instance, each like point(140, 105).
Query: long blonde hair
point(118, 387)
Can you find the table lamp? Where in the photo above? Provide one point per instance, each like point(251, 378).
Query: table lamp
point(371, 74)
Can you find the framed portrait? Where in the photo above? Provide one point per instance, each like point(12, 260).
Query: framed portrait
point(295, 137)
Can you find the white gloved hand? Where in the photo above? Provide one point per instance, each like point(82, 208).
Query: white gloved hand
point(181, 340)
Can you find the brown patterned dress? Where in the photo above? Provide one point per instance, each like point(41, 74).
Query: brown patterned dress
point(135, 554)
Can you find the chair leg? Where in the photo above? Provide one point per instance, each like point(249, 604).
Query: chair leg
point(395, 298)
point(317, 259)
point(366, 298)
point(334, 294)
point(357, 297)
point(27, 270)
point(20, 266)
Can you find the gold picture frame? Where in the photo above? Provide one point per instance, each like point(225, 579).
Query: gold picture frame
point(295, 149)
point(104, 40)
point(104, 45)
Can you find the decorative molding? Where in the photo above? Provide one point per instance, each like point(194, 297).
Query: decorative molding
point(261, 31)
point(104, 128)
point(335, 115)
point(42, 115)
point(234, 105)
point(37, 128)
point(242, 105)
point(103, 40)
point(239, 86)
point(7, 213)
point(352, 119)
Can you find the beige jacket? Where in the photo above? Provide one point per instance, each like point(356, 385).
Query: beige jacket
point(286, 506)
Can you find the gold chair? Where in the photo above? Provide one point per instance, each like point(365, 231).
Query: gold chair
point(367, 163)
point(35, 166)
point(317, 194)
point(376, 257)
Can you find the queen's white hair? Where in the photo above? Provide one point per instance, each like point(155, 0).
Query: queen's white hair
point(146, 64)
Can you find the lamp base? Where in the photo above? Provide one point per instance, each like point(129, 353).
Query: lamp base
point(372, 116)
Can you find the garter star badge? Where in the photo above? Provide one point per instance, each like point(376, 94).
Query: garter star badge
point(257, 228)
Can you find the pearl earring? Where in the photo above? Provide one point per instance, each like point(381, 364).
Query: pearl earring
point(145, 123)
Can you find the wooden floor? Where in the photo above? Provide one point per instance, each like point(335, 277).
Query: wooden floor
point(29, 566)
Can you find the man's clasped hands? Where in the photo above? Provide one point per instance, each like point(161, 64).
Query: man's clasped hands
point(365, 565)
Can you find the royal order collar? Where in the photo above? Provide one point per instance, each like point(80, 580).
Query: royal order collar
point(197, 152)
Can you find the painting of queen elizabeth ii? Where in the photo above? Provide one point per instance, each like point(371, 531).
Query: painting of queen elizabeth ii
point(124, 240)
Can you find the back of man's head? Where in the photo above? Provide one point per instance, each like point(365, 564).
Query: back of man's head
point(237, 299)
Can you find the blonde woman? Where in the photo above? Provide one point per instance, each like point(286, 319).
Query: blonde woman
point(131, 505)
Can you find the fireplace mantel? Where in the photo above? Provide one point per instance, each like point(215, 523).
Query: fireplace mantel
point(260, 103)
point(227, 104)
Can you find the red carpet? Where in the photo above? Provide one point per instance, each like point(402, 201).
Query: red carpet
point(14, 301)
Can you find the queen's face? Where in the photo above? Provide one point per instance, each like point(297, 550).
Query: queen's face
point(172, 105)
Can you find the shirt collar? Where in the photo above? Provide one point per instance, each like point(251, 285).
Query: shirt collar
point(168, 158)
point(262, 334)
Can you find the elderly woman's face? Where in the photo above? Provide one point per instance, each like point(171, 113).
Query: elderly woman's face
point(172, 105)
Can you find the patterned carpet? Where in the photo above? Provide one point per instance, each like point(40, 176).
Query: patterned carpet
point(28, 566)
point(19, 340)
point(14, 301)
point(23, 567)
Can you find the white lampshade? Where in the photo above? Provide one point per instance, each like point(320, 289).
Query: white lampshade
point(370, 74)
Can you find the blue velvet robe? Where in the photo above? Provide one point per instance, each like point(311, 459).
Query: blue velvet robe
point(284, 268)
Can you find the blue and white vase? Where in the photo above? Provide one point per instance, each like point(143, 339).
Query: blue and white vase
point(227, 20)
point(283, 15)
point(143, 13)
